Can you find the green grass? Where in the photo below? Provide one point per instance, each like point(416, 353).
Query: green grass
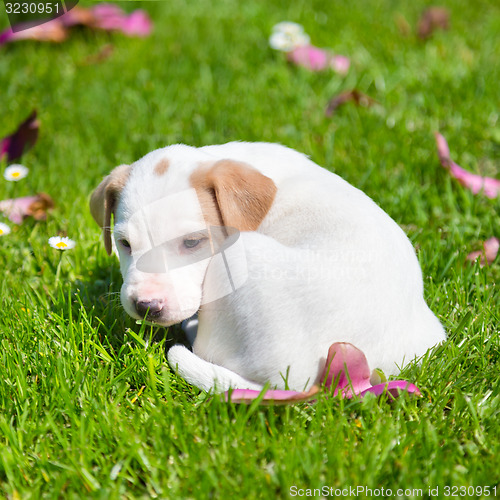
point(88, 405)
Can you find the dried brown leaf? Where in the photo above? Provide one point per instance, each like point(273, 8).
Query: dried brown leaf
point(432, 19)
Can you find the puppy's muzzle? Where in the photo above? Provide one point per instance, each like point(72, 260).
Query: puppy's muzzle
point(149, 309)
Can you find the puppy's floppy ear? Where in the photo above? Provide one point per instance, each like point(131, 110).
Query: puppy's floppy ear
point(104, 200)
point(242, 194)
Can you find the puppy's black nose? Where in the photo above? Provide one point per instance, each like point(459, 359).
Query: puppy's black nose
point(152, 308)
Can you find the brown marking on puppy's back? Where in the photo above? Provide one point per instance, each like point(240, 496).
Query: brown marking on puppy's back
point(234, 193)
point(161, 167)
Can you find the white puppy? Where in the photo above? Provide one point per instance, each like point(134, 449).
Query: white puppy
point(280, 257)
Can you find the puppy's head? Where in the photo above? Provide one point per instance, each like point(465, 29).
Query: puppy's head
point(174, 210)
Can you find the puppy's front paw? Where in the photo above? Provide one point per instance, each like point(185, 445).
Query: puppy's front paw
point(203, 374)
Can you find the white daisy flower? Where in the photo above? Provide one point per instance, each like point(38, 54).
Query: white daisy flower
point(289, 28)
point(287, 36)
point(61, 243)
point(4, 229)
point(15, 172)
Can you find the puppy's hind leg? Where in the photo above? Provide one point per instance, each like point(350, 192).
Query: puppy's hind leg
point(203, 374)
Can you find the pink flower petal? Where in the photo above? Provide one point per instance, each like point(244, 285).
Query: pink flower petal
point(393, 388)
point(23, 138)
point(77, 16)
point(489, 252)
point(51, 31)
point(491, 247)
point(18, 209)
point(104, 16)
point(316, 59)
point(341, 64)
point(347, 366)
point(443, 150)
point(137, 24)
point(110, 17)
point(107, 10)
point(346, 369)
point(476, 183)
point(271, 396)
point(309, 57)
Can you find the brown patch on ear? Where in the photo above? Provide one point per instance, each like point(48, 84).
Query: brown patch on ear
point(105, 198)
point(161, 167)
point(233, 194)
point(206, 197)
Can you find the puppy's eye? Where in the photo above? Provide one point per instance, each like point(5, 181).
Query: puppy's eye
point(192, 243)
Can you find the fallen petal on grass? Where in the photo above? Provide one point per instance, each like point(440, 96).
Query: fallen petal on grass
point(476, 183)
point(489, 252)
point(17, 209)
point(340, 64)
point(432, 19)
point(104, 53)
point(104, 16)
point(51, 31)
point(112, 18)
point(78, 16)
point(14, 145)
point(353, 95)
point(271, 396)
point(394, 388)
point(317, 59)
point(346, 370)
point(309, 57)
point(137, 23)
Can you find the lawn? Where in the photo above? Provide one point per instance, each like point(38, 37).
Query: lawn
point(88, 405)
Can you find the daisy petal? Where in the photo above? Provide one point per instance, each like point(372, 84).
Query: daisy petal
point(288, 27)
point(280, 41)
point(61, 243)
point(4, 229)
point(287, 42)
point(15, 172)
